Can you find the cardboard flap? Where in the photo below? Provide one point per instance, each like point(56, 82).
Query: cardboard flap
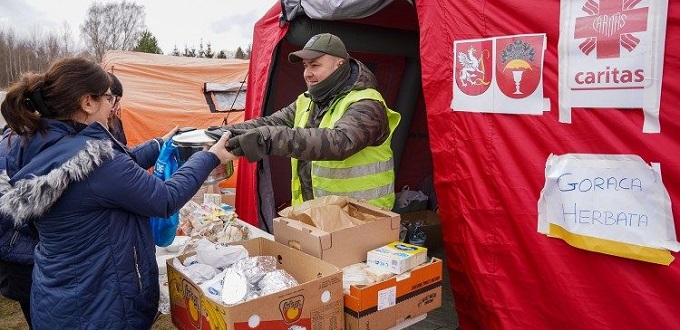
point(301, 236)
point(396, 223)
point(299, 226)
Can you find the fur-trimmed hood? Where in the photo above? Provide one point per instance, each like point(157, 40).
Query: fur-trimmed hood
point(62, 157)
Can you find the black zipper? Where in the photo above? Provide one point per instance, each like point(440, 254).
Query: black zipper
point(14, 239)
point(139, 274)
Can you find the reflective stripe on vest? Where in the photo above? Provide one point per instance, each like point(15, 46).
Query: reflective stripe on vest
point(367, 175)
point(351, 172)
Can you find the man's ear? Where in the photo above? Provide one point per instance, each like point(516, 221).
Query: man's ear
point(88, 104)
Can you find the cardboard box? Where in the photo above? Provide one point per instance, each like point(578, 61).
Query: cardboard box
point(228, 196)
point(385, 304)
point(315, 304)
point(396, 257)
point(432, 228)
point(343, 247)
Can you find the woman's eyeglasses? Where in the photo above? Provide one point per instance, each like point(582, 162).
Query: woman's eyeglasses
point(112, 99)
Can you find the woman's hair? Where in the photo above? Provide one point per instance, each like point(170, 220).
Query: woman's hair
point(55, 94)
point(116, 86)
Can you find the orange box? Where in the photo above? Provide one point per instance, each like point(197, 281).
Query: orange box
point(385, 304)
point(315, 304)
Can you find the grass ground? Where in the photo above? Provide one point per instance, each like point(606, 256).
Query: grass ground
point(11, 317)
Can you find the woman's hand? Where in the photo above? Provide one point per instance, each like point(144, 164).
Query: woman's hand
point(220, 149)
point(170, 134)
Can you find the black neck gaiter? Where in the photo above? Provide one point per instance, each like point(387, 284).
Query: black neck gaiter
point(329, 87)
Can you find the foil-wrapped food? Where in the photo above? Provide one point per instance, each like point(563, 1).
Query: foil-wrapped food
point(213, 223)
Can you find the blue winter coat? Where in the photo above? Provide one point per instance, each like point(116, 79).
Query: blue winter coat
point(16, 242)
point(90, 199)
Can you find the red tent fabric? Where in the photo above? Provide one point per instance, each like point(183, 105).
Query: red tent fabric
point(489, 171)
point(267, 35)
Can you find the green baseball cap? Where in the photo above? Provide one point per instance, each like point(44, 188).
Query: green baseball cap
point(318, 45)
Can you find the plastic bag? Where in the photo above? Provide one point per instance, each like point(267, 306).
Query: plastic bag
point(164, 229)
point(409, 201)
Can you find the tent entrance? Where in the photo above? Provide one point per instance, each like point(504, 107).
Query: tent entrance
point(392, 54)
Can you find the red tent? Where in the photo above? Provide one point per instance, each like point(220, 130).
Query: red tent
point(489, 168)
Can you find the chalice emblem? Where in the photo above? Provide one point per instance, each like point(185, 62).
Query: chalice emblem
point(516, 57)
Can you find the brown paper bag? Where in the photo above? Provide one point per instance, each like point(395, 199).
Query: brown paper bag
point(328, 213)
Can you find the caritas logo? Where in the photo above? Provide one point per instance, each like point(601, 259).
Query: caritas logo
point(610, 25)
point(291, 309)
point(610, 28)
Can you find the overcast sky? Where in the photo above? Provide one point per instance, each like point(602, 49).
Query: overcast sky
point(226, 24)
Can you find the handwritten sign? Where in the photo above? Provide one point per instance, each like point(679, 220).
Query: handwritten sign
point(613, 204)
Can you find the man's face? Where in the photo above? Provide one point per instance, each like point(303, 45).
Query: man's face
point(318, 69)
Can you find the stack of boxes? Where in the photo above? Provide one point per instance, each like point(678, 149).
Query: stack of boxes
point(384, 304)
point(315, 258)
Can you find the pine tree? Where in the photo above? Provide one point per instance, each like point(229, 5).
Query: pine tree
point(189, 52)
point(175, 52)
point(209, 53)
point(240, 54)
point(201, 51)
point(148, 44)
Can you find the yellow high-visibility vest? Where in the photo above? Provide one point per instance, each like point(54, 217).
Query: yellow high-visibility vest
point(367, 175)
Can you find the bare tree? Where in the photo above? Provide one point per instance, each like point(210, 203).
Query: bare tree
point(10, 66)
point(66, 35)
point(112, 26)
point(20, 55)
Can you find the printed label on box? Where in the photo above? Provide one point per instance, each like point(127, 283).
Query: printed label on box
point(396, 257)
point(387, 298)
point(212, 199)
point(329, 314)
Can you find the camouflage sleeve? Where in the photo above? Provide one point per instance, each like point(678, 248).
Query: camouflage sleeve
point(363, 124)
point(284, 117)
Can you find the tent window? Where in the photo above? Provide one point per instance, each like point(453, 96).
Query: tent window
point(225, 97)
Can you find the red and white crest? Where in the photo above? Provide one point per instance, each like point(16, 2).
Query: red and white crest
point(518, 64)
point(472, 70)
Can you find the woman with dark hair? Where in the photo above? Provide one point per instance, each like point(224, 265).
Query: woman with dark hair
point(85, 199)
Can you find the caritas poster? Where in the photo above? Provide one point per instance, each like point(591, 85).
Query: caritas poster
point(499, 75)
point(611, 56)
point(611, 204)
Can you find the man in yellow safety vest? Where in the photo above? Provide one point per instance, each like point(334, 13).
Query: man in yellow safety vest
point(337, 133)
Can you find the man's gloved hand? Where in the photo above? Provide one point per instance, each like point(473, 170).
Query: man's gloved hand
point(249, 143)
point(236, 131)
point(234, 144)
point(216, 132)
